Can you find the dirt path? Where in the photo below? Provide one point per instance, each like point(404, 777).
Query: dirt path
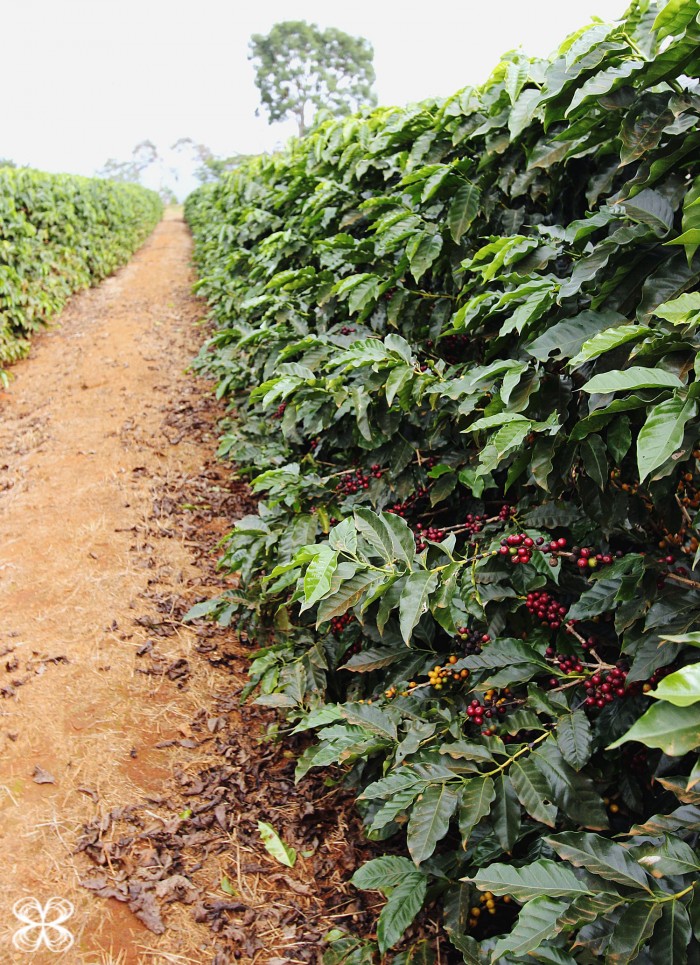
point(126, 762)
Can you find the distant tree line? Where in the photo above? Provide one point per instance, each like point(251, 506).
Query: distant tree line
point(300, 69)
point(149, 167)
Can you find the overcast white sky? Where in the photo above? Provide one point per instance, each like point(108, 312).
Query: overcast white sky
point(84, 80)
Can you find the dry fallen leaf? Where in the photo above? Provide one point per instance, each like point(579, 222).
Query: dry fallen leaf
point(40, 776)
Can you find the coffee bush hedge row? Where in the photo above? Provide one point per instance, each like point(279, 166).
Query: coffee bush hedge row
point(60, 233)
point(460, 345)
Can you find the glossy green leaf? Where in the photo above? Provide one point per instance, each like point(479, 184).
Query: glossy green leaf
point(463, 209)
point(347, 595)
point(574, 738)
point(619, 438)
point(635, 377)
point(363, 293)
point(275, 846)
point(572, 792)
point(402, 906)
point(690, 237)
point(672, 935)
point(533, 791)
point(422, 252)
point(317, 579)
point(633, 928)
point(505, 812)
point(589, 908)
point(475, 802)
point(538, 920)
point(371, 718)
point(414, 600)
point(374, 530)
point(601, 857)
point(566, 339)
point(662, 434)
point(650, 207)
point(383, 873)
point(594, 455)
point(608, 340)
point(430, 819)
point(674, 17)
point(676, 730)
point(401, 536)
point(538, 878)
point(516, 77)
point(672, 857)
point(690, 639)
point(684, 310)
point(694, 776)
point(681, 688)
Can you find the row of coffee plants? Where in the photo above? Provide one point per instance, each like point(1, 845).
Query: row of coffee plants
point(460, 345)
point(60, 233)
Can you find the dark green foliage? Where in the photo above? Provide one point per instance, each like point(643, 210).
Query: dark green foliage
point(59, 233)
point(454, 337)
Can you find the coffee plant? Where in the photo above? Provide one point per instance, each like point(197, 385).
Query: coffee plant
point(460, 345)
point(59, 233)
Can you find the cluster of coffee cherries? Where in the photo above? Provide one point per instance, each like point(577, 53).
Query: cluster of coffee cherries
point(519, 547)
point(679, 571)
point(474, 523)
point(402, 508)
point(394, 691)
point(567, 663)
point(603, 687)
point(546, 609)
point(688, 491)
point(487, 903)
point(346, 330)
point(354, 648)
point(651, 683)
point(280, 410)
point(506, 511)
point(637, 761)
point(355, 482)
point(439, 675)
point(586, 557)
point(494, 704)
point(472, 640)
point(552, 549)
point(423, 533)
point(338, 624)
point(452, 346)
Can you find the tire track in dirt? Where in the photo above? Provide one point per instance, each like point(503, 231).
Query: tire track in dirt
point(125, 759)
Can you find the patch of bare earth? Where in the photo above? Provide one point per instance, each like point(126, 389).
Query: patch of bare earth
point(131, 778)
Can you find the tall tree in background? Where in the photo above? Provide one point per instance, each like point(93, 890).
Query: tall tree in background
point(142, 157)
point(300, 69)
point(211, 167)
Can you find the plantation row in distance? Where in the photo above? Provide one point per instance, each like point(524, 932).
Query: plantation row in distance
point(60, 233)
